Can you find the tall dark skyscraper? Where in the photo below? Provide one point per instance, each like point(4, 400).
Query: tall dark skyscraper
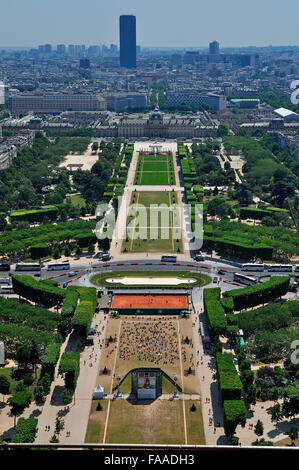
point(127, 41)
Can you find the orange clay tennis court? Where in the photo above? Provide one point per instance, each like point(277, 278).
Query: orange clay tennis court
point(177, 302)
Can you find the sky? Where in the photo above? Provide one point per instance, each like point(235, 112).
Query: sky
point(160, 23)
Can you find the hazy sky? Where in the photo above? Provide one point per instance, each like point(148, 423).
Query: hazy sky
point(159, 22)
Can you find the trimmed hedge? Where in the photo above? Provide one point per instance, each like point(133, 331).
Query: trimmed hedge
point(49, 359)
point(70, 367)
point(34, 215)
point(214, 312)
point(85, 310)
point(260, 293)
point(230, 385)
point(234, 413)
point(39, 292)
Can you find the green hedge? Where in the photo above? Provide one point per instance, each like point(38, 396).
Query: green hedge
point(237, 248)
point(214, 312)
point(69, 366)
point(85, 310)
point(234, 413)
point(40, 251)
point(39, 292)
point(259, 294)
point(230, 386)
point(34, 215)
point(50, 359)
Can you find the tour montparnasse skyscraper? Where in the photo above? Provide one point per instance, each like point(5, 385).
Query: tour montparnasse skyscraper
point(127, 41)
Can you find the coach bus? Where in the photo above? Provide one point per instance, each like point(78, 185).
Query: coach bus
point(169, 258)
point(296, 268)
point(4, 267)
point(28, 267)
point(59, 266)
point(5, 280)
point(281, 267)
point(253, 267)
point(7, 289)
point(243, 279)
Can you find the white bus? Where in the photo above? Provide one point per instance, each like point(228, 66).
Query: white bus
point(296, 268)
point(59, 266)
point(7, 290)
point(253, 267)
point(243, 279)
point(5, 280)
point(280, 268)
point(169, 258)
point(28, 267)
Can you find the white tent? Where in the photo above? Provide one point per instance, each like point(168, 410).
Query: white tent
point(98, 393)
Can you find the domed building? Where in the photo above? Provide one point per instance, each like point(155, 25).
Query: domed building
point(156, 124)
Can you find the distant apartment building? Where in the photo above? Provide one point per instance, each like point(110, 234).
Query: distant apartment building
point(214, 47)
point(217, 102)
point(61, 49)
point(55, 103)
point(117, 101)
point(191, 57)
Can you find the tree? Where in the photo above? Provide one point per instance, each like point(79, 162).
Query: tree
point(95, 147)
point(59, 425)
point(91, 248)
point(259, 428)
point(18, 402)
point(54, 439)
point(222, 130)
point(276, 413)
point(56, 253)
point(34, 354)
point(66, 397)
point(78, 251)
point(293, 434)
point(23, 354)
point(4, 385)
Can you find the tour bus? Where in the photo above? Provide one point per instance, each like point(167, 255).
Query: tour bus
point(5, 280)
point(169, 258)
point(7, 290)
point(253, 267)
point(296, 268)
point(281, 267)
point(28, 267)
point(243, 279)
point(59, 266)
point(4, 267)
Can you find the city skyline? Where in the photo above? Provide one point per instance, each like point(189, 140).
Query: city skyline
point(158, 25)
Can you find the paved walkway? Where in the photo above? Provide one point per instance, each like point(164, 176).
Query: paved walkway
point(76, 419)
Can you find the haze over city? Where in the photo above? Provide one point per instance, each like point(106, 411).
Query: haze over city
point(169, 23)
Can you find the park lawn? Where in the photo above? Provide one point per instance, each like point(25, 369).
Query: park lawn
point(194, 419)
point(76, 200)
point(155, 238)
point(96, 423)
point(155, 166)
point(157, 422)
point(150, 178)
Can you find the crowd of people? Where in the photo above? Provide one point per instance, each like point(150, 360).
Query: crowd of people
point(156, 342)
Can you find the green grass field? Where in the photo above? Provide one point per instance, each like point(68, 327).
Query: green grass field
point(153, 229)
point(155, 170)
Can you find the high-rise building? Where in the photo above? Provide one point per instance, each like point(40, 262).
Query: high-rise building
point(214, 47)
point(127, 41)
point(61, 49)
